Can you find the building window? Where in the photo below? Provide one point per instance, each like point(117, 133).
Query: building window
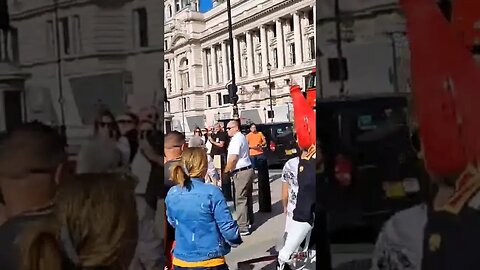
point(310, 17)
point(169, 85)
point(311, 42)
point(167, 65)
point(336, 68)
point(184, 103)
point(165, 44)
point(292, 53)
point(259, 65)
point(77, 37)
point(226, 99)
point(50, 38)
point(14, 45)
point(275, 58)
point(141, 27)
point(209, 101)
point(65, 36)
point(219, 99)
point(274, 31)
point(177, 5)
point(169, 10)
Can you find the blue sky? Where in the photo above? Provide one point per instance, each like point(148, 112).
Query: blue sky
point(205, 5)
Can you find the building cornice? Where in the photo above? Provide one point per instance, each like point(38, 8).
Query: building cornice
point(252, 19)
point(365, 13)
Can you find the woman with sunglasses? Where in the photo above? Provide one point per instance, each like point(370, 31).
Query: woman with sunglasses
point(100, 153)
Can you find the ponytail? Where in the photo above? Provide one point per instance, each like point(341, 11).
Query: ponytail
point(179, 175)
point(40, 249)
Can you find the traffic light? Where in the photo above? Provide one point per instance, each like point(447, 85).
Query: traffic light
point(232, 93)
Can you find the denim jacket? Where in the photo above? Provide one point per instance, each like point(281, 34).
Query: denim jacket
point(204, 227)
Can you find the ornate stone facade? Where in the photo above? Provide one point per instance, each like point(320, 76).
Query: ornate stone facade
point(275, 33)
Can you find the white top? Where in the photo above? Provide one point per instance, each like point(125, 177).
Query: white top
point(400, 243)
point(289, 176)
point(141, 168)
point(239, 146)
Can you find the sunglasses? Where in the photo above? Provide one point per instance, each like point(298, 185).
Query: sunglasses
point(105, 124)
point(228, 128)
point(198, 131)
point(125, 121)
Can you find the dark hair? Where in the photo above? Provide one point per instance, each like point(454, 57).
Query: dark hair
point(175, 135)
point(253, 124)
point(98, 120)
point(34, 146)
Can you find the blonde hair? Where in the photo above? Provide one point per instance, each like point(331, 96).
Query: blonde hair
point(99, 213)
point(194, 164)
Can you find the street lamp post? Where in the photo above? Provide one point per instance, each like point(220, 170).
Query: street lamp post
point(233, 91)
point(270, 114)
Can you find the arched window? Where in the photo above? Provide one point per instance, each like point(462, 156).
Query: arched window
point(184, 75)
point(169, 10)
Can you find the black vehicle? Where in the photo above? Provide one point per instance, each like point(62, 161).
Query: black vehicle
point(373, 135)
point(281, 143)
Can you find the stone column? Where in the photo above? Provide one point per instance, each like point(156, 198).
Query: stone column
point(280, 44)
point(236, 56)
point(250, 57)
point(224, 62)
point(297, 35)
point(191, 71)
point(205, 68)
point(176, 88)
point(213, 59)
point(264, 44)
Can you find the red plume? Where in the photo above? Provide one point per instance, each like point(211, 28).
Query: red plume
point(304, 119)
point(445, 83)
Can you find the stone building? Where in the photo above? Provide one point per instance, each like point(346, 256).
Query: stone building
point(375, 47)
point(269, 35)
point(111, 54)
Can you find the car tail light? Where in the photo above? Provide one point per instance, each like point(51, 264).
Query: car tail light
point(273, 146)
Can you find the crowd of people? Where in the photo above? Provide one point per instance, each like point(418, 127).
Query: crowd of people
point(113, 209)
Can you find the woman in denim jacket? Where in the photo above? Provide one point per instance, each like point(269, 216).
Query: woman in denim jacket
point(204, 228)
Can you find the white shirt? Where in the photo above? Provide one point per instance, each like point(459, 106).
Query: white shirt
point(239, 146)
point(289, 176)
point(141, 168)
point(400, 243)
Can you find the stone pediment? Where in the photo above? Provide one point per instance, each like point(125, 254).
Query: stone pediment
point(179, 39)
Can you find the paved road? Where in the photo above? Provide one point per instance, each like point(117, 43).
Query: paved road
point(269, 230)
point(268, 227)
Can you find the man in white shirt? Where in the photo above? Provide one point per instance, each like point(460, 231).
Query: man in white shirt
point(240, 169)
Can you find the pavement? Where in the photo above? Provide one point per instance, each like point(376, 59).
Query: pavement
point(267, 230)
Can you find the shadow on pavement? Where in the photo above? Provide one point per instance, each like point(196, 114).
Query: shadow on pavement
point(261, 218)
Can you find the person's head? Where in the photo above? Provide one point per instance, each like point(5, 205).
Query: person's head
point(95, 222)
point(32, 159)
point(174, 143)
point(149, 113)
point(126, 122)
point(197, 132)
point(217, 127)
point(105, 126)
point(205, 131)
point(253, 128)
point(232, 128)
point(145, 129)
point(209, 130)
point(193, 165)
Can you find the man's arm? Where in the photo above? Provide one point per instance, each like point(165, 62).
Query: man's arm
point(231, 163)
point(221, 143)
